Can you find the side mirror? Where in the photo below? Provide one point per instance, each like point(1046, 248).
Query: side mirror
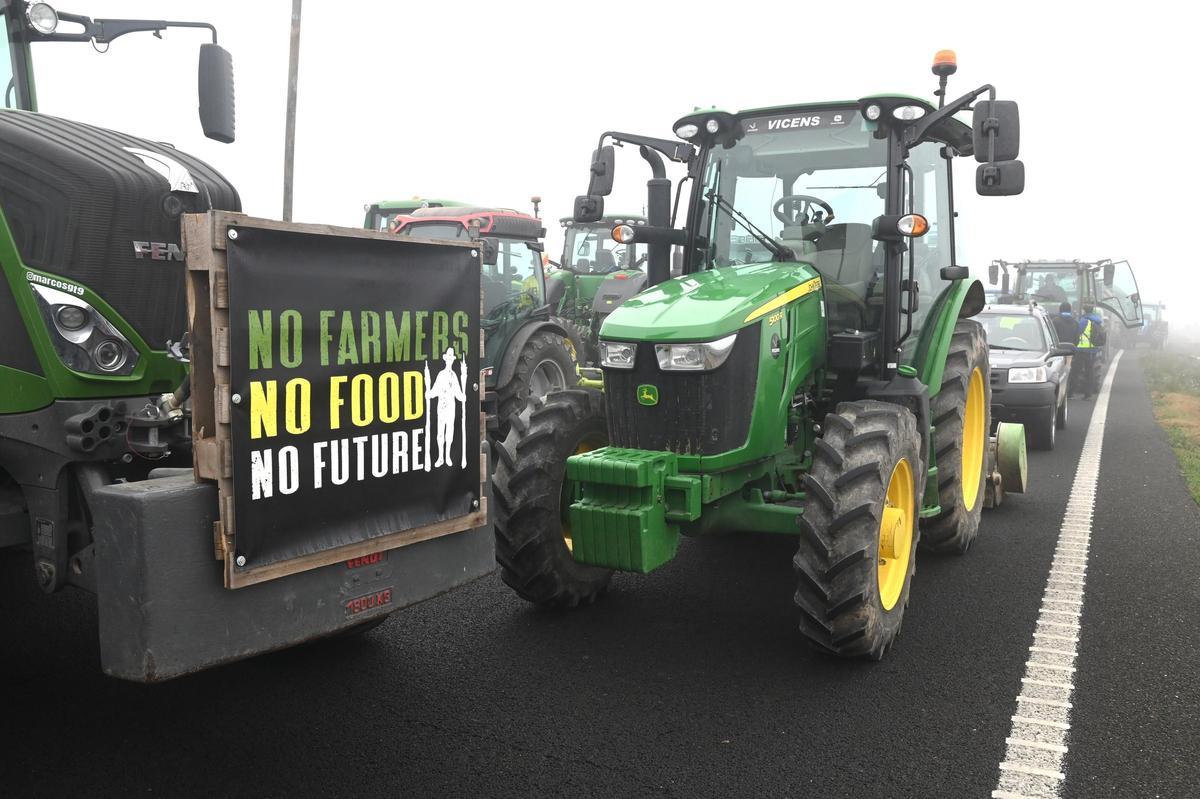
point(604, 161)
point(1063, 348)
point(994, 273)
point(216, 93)
point(955, 273)
point(491, 250)
point(998, 121)
point(589, 208)
point(1110, 272)
point(1001, 179)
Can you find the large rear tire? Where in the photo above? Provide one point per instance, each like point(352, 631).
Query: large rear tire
point(531, 499)
point(859, 530)
point(545, 364)
point(577, 340)
point(962, 417)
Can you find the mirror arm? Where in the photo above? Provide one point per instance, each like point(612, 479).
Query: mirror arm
point(917, 132)
point(680, 152)
point(104, 31)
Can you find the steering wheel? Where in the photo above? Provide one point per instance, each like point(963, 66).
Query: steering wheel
point(801, 209)
point(1015, 342)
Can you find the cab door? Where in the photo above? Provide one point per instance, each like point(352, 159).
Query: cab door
point(1118, 293)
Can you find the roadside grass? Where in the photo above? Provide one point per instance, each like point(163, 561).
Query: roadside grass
point(1174, 380)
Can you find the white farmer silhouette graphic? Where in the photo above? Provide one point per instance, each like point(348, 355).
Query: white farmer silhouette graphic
point(449, 388)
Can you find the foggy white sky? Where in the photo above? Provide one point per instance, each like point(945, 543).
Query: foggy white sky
point(462, 101)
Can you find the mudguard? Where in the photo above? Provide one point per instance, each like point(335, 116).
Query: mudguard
point(962, 299)
point(508, 364)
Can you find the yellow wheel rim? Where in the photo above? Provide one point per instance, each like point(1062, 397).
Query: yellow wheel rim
point(896, 534)
point(567, 498)
point(974, 438)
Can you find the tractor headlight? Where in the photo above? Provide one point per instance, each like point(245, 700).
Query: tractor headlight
point(617, 354)
point(1032, 374)
point(83, 339)
point(700, 357)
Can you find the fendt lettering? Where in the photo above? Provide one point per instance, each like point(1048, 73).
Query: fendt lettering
point(157, 251)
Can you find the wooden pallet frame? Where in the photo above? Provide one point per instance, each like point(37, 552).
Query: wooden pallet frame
point(205, 237)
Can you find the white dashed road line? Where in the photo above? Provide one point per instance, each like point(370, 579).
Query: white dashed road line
point(1037, 743)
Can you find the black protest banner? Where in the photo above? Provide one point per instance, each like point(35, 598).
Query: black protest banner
point(354, 367)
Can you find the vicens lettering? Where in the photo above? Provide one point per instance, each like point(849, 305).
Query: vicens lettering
point(794, 122)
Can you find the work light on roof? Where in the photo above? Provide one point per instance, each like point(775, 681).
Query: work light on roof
point(687, 131)
point(42, 18)
point(907, 113)
point(712, 126)
point(873, 111)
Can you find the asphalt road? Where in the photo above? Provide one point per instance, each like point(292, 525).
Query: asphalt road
point(689, 682)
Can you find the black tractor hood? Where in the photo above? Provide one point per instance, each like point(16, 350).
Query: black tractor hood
point(103, 208)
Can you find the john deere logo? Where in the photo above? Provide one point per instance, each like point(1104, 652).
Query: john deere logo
point(647, 394)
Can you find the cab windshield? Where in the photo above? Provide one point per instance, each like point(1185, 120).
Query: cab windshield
point(1050, 284)
point(1022, 333)
point(592, 251)
point(814, 181)
point(443, 231)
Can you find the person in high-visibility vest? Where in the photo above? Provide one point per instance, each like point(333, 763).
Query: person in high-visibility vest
point(1089, 351)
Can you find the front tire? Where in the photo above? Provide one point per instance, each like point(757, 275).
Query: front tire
point(1042, 430)
point(1061, 418)
point(962, 417)
point(531, 500)
point(859, 532)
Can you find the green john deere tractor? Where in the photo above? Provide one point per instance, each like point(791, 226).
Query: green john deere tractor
point(595, 275)
point(830, 385)
point(527, 351)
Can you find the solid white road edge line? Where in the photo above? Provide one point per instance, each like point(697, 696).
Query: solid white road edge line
point(1036, 745)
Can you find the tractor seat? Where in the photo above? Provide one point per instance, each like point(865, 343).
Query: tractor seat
point(605, 262)
point(844, 256)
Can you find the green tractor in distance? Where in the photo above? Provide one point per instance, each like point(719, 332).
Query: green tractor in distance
point(1154, 329)
point(1109, 286)
point(527, 352)
point(835, 390)
point(595, 275)
point(380, 215)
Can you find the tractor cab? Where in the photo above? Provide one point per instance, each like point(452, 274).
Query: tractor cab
point(527, 353)
point(589, 248)
point(596, 274)
point(379, 216)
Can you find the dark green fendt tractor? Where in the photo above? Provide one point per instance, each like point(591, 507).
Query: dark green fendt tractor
point(596, 274)
point(93, 312)
point(528, 352)
point(831, 387)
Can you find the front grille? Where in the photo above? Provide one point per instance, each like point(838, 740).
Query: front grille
point(698, 413)
point(999, 377)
